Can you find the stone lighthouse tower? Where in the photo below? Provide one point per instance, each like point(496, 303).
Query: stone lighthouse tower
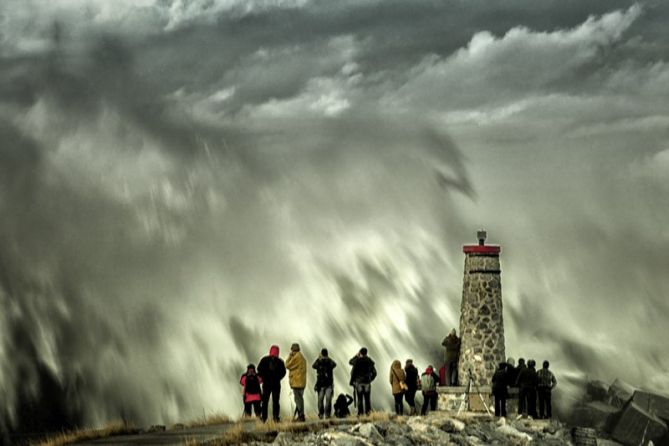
point(481, 323)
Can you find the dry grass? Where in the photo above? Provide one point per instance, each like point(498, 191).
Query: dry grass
point(375, 416)
point(117, 428)
point(266, 432)
point(281, 426)
point(210, 420)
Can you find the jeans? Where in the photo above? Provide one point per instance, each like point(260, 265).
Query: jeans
point(431, 399)
point(452, 373)
point(298, 395)
point(275, 392)
point(364, 393)
point(255, 405)
point(410, 397)
point(325, 401)
point(500, 405)
point(545, 402)
point(528, 401)
point(399, 404)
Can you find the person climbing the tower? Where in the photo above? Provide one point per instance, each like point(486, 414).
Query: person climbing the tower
point(271, 370)
point(452, 344)
point(252, 393)
point(363, 373)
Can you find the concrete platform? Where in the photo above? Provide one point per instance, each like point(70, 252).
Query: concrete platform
point(450, 398)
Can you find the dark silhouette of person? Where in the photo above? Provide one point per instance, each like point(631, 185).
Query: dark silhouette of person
point(511, 372)
point(324, 383)
point(527, 385)
point(362, 375)
point(272, 370)
point(411, 373)
point(452, 344)
point(513, 382)
point(546, 382)
point(500, 382)
point(341, 405)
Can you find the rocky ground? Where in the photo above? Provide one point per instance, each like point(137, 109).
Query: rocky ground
point(436, 428)
point(623, 412)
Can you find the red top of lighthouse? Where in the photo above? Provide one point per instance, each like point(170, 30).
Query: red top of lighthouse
point(481, 248)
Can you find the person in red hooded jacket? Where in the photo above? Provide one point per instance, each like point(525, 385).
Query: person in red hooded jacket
point(272, 370)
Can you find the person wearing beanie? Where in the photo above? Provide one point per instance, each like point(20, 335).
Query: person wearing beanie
point(297, 378)
point(324, 383)
point(271, 370)
point(251, 382)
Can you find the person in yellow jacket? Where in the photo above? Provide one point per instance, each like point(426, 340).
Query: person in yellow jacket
point(297, 378)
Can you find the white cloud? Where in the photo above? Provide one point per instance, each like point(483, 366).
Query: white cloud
point(26, 25)
point(522, 62)
point(325, 96)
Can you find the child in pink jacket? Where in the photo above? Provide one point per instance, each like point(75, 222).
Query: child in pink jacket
point(251, 382)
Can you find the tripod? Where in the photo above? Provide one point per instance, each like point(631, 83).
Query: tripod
point(465, 399)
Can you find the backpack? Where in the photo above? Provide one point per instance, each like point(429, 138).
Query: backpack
point(252, 386)
point(427, 383)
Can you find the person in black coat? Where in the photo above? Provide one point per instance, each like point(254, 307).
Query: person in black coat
point(362, 375)
point(272, 370)
point(499, 389)
point(411, 380)
point(527, 385)
point(324, 383)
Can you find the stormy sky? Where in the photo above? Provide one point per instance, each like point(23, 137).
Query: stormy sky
point(185, 183)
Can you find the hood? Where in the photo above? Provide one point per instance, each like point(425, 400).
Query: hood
point(274, 350)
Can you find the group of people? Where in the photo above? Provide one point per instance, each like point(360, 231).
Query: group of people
point(405, 384)
point(531, 384)
point(264, 383)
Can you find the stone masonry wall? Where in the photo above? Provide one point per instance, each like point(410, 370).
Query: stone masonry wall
point(481, 324)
